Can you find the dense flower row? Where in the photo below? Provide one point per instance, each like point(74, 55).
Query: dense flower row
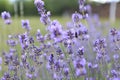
point(62, 54)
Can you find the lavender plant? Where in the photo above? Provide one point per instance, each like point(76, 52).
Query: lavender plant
point(75, 53)
point(6, 17)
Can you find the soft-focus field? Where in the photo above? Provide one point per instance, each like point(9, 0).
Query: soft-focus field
point(16, 28)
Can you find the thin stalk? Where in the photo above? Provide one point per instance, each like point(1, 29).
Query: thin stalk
point(69, 65)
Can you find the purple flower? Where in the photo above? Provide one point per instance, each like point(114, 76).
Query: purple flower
point(66, 72)
point(55, 76)
point(70, 49)
point(81, 51)
point(79, 63)
point(8, 21)
point(70, 34)
point(39, 36)
point(40, 5)
point(51, 59)
point(116, 56)
point(100, 43)
point(88, 8)
point(45, 18)
point(29, 76)
point(118, 36)
point(0, 60)
point(95, 66)
point(5, 15)
point(114, 73)
point(83, 62)
point(80, 72)
point(6, 75)
point(25, 24)
point(89, 64)
point(76, 17)
point(81, 2)
point(113, 32)
point(3, 78)
point(57, 66)
point(24, 40)
point(56, 30)
point(12, 43)
point(116, 78)
point(40, 2)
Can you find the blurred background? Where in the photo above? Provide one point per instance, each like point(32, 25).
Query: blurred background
point(58, 7)
point(60, 10)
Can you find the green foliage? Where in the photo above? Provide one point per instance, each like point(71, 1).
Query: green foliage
point(56, 7)
point(3, 5)
point(6, 6)
point(29, 8)
point(61, 6)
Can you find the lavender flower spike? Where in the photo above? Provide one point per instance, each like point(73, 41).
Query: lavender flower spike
point(8, 21)
point(0, 60)
point(6, 17)
point(76, 17)
point(40, 5)
point(45, 18)
point(25, 24)
point(81, 3)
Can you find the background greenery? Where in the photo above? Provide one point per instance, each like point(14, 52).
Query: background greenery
point(57, 7)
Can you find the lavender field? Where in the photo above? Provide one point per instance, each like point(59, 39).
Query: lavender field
point(80, 47)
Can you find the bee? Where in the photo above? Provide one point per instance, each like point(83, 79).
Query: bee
point(76, 35)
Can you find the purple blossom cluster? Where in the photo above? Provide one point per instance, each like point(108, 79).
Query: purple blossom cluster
point(26, 24)
point(6, 17)
point(73, 53)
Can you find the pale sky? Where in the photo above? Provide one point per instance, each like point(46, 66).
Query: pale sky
point(15, 0)
point(104, 1)
point(11, 0)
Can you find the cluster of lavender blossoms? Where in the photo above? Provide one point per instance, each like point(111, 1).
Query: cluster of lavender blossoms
point(6, 17)
point(78, 52)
